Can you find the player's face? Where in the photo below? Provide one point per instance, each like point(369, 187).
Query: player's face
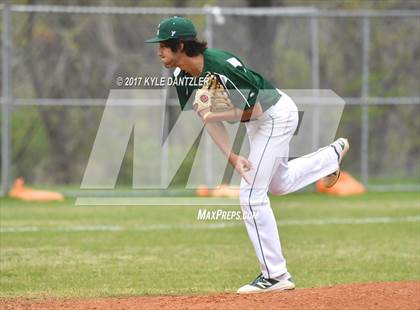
point(168, 58)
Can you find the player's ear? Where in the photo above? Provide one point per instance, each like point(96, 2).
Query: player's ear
point(181, 46)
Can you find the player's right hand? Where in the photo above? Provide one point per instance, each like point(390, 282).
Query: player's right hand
point(241, 165)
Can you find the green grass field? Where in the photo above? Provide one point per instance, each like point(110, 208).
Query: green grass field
point(57, 249)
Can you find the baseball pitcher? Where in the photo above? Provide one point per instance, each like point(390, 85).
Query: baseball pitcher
point(232, 92)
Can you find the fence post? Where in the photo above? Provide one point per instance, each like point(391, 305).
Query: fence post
point(365, 105)
point(6, 101)
point(164, 156)
point(315, 78)
point(208, 146)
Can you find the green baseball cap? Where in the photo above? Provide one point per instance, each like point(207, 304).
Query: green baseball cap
point(174, 28)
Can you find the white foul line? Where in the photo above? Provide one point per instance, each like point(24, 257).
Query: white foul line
point(113, 228)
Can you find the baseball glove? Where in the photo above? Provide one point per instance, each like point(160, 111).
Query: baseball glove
point(212, 96)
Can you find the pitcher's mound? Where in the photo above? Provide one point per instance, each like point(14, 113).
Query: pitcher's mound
point(393, 295)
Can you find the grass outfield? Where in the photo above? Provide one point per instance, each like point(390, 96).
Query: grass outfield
point(57, 249)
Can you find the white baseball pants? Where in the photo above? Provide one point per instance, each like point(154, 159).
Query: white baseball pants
point(269, 138)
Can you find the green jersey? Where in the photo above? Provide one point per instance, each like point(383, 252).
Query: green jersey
point(246, 87)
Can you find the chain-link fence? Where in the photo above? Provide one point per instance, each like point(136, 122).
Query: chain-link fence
point(59, 63)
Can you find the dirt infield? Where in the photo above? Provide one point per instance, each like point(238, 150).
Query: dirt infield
point(393, 295)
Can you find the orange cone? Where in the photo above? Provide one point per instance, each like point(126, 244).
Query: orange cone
point(19, 191)
point(345, 186)
point(226, 191)
point(203, 191)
